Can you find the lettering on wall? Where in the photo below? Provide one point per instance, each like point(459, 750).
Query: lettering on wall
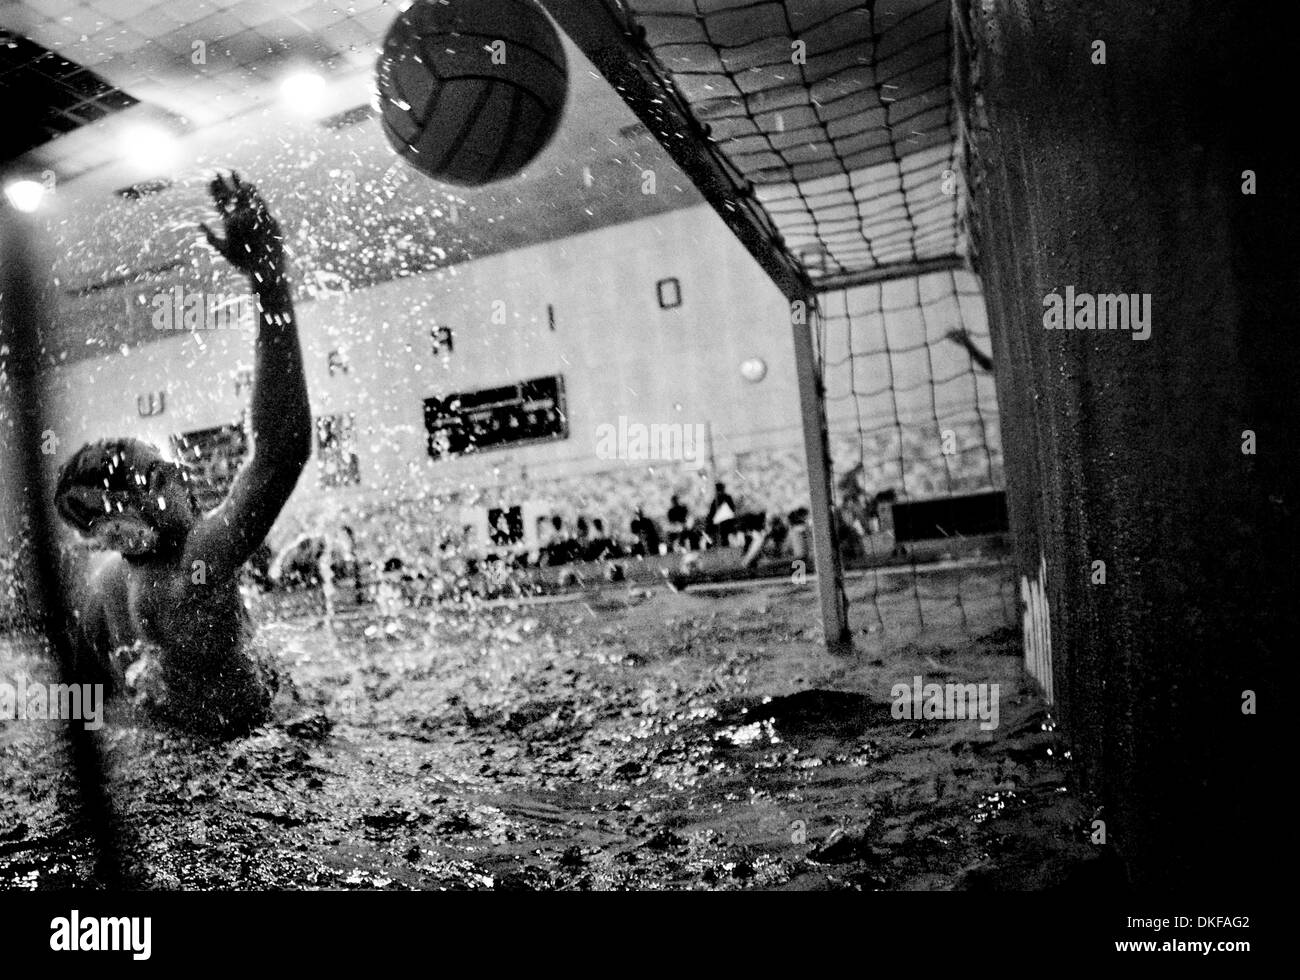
point(336, 450)
point(150, 404)
point(669, 292)
point(443, 341)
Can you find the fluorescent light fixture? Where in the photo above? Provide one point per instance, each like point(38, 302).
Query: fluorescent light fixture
point(148, 148)
point(25, 195)
point(303, 92)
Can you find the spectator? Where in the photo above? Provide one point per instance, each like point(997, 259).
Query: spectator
point(299, 565)
point(851, 530)
point(554, 551)
point(390, 591)
point(343, 557)
point(600, 547)
point(882, 506)
point(799, 534)
point(562, 548)
point(777, 533)
point(258, 567)
point(349, 567)
point(752, 526)
point(543, 528)
point(646, 534)
point(677, 518)
point(722, 515)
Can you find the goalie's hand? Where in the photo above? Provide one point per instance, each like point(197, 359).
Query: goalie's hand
point(253, 242)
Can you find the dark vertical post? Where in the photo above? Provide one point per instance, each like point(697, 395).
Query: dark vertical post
point(1133, 150)
point(22, 325)
point(812, 413)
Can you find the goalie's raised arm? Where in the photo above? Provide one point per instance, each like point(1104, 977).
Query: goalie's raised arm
point(280, 421)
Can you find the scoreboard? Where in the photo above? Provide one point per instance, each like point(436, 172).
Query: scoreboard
point(493, 418)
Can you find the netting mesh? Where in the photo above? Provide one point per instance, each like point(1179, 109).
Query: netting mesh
point(912, 415)
point(837, 118)
point(904, 362)
point(837, 113)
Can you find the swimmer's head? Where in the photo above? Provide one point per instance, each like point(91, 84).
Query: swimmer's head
point(124, 495)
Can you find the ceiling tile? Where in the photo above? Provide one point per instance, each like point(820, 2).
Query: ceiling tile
point(85, 21)
point(253, 13)
point(320, 18)
point(189, 11)
point(56, 35)
point(348, 34)
point(52, 8)
point(377, 21)
point(216, 29)
point(292, 7)
point(121, 9)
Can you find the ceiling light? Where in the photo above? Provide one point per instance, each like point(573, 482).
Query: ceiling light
point(148, 148)
point(303, 92)
point(25, 195)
